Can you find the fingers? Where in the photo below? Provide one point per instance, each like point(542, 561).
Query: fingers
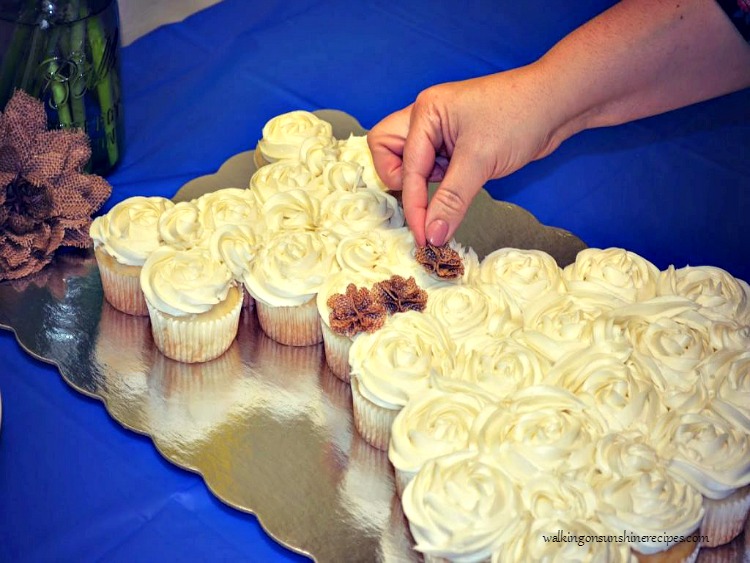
point(386, 141)
point(463, 180)
point(425, 137)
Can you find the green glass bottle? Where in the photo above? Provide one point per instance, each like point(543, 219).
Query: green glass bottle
point(67, 54)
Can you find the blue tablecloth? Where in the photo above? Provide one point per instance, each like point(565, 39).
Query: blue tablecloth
point(73, 484)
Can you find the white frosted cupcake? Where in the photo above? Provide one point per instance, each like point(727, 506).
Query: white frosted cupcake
point(237, 247)
point(526, 274)
point(362, 211)
point(461, 508)
point(433, 424)
point(713, 456)
point(284, 134)
point(378, 253)
point(613, 270)
point(390, 366)
point(229, 206)
point(290, 269)
point(193, 303)
point(181, 226)
point(123, 239)
point(281, 177)
point(335, 343)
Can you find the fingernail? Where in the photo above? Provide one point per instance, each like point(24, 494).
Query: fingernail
point(437, 231)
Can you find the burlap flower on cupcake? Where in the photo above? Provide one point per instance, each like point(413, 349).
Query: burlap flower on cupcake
point(46, 200)
point(355, 311)
point(441, 261)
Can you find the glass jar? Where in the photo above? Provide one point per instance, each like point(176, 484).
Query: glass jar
point(67, 54)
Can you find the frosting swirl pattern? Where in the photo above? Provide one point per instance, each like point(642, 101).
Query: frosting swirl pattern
point(130, 231)
point(346, 213)
point(284, 134)
point(181, 226)
point(184, 282)
point(526, 274)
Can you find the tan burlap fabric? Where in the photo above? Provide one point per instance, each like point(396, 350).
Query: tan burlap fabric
point(46, 201)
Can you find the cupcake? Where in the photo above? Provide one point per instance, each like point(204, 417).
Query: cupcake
point(193, 303)
point(390, 366)
point(284, 134)
point(236, 246)
point(290, 269)
point(123, 239)
point(356, 150)
point(338, 342)
point(181, 226)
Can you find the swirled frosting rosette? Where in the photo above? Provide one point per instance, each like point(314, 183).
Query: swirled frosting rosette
point(181, 226)
point(355, 149)
point(461, 508)
point(539, 429)
point(433, 424)
point(359, 212)
point(720, 295)
point(729, 335)
point(613, 270)
point(236, 246)
point(654, 508)
point(291, 210)
point(500, 366)
point(193, 303)
point(283, 176)
point(317, 153)
point(290, 268)
point(557, 324)
point(526, 274)
point(731, 388)
point(625, 454)
point(379, 253)
point(339, 177)
point(229, 206)
point(284, 134)
point(465, 311)
point(393, 364)
point(554, 495)
point(607, 379)
point(129, 232)
point(706, 451)
point(123, 239)
point(564, 538)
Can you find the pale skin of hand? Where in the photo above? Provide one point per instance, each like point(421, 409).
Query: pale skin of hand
point(637, 59)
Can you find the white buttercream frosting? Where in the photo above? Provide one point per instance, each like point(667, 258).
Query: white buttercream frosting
point(236, 246)
point(185, 282)
point(465, 311)
point(290, 267)
point(540, 428)
point(229, 206)
point(397, 362)
point(719, 294)
point(347, 213)
point(433, 424)
point(608, 379)
point(706, 451)
point(291, 210)
point(284, 134)
point(613, 270)
point(181, 226)
point(317, 153)
point(460, 508)
point(655, 505)
point(380, 253)
point(283, 176)
point(731, 387)
point(526, 274)
point(129, 232)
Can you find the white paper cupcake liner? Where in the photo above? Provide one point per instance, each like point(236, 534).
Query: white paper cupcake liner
point(122, 289)
point(293, 326)
point(724, 519)
point(337, 352)
point(194, 339)
point(372, 421)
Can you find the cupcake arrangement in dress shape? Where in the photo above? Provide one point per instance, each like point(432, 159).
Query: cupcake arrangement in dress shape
point(599, 412)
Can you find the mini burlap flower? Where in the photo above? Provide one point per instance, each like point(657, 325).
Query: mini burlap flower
point(46, 201)
point(399, 295)
point(355, 311)
point(442, 261)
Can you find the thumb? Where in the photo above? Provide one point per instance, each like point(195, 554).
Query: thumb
point(448, 206)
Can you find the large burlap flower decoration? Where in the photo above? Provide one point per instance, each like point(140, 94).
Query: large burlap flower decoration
point(46, 200)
